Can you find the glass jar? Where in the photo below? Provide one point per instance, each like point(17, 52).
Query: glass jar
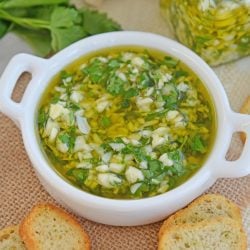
point(217, 30)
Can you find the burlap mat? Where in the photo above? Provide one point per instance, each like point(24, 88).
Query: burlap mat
point(20, 188)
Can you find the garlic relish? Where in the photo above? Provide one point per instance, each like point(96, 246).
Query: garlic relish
point(126, 123)
point(217, 30)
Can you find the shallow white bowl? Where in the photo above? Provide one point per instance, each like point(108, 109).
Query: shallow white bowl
point(113, 211)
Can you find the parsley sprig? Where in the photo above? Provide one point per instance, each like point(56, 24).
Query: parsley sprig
point(51, 25)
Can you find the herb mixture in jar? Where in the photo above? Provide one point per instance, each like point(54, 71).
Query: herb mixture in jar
point(126, 123)
point(218, 30)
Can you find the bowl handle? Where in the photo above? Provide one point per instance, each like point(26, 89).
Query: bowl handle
point(241, 166)
point(19, 64)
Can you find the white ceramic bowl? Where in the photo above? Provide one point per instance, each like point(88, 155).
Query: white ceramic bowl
point(112, 211)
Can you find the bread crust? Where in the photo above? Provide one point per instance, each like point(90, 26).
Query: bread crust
point(207, 225)
point(8, 231)
point(27, 234)
point(236, 214)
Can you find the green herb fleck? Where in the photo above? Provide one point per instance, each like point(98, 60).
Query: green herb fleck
point(197, 144)
point(125, 103)
point(146, 81)
point(42, 117)
point(115, 86)
point(80, 175)
point(130, 93)
point(170, 62)
point(68, 139)
point(105, 122)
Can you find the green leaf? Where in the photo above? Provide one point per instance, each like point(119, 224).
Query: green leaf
point(203, 39)
point(20, 12)
point(147, 173)
point(170, 62)
point(79, 175)
point(130, 93)
point(105, 122)
point(73, 106)
point(71, 118)
point(176, 156)
point(180, 73)
point(155, 167)
point(65, 27)
point(64, 138)
point(146, 81)
point(168, 146)
point(115, 86)
point(26, 22)
point(106, 147)
point(171, 100)
point(95, 70)
point(39, 41)
point(39, 12)
point(56, 23)
point(6, 4)
point(152, 116)
point(143, 189)
point(159, 178)
point(61, 37)
point(64, 74)
point(63, 17)
point(138, 152)
point(4, 26)
point(114, 63)
point(95, 22)
point(244, 43)
point(42, 117)
point(197, 144)
point(55, 98)
point(68, 139)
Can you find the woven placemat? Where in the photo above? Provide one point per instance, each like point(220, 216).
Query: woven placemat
point(20, 188)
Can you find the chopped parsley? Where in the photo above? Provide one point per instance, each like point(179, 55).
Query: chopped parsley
point(127, 124)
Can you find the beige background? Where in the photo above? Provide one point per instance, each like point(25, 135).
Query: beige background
point(20, 189)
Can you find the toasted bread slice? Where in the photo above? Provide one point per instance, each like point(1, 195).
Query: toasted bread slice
point(10, 239)
point(203, 208)
point(49, 227)
point(219, 233)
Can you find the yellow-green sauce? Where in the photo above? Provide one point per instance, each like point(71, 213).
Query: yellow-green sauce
point(126, 123)
point(217, 30)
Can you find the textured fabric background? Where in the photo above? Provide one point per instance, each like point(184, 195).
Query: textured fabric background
point(20, 188)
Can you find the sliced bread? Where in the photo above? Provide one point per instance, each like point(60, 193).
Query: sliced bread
point(10, 239)
point(203, 208)
point(220, 233)
point(49, 227)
